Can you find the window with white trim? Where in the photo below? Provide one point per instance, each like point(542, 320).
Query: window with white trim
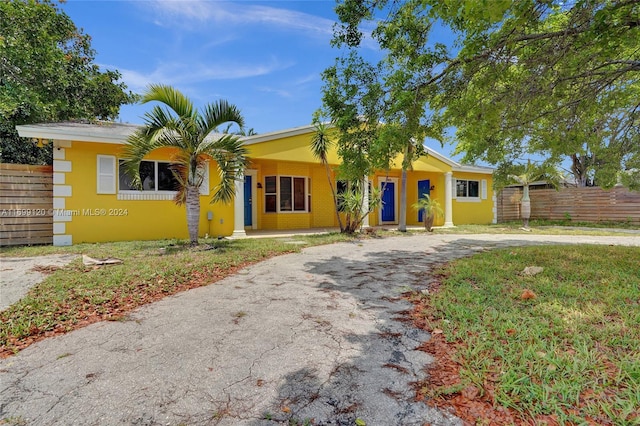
point(287, 194)
point(470, 190)
point(155, 176)
point(467, 188)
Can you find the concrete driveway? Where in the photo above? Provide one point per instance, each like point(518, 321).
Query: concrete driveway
point(312, 336)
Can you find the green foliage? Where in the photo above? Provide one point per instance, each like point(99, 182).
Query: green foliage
point(377, 111)
point(431, 210)
point(175, 123)
point(526, 174)
point(47, 74)
point(524, 78)
point(552, 81)
point(349, 204)
point(430, 206)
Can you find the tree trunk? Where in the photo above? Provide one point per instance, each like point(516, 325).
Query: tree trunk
point(193, 212)
point(402, 220)
point(579, 170)
point(525, 206)
point(335, 197)
point(428, 222)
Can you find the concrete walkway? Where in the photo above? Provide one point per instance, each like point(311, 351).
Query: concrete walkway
point(313, 335)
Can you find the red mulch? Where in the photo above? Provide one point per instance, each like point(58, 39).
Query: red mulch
point(474, 406)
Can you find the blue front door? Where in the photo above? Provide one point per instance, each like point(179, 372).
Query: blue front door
point(389, 202)
point(248, 210)
point(424, 187)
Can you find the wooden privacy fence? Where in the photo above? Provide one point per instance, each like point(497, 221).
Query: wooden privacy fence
point(591, 204)
point(26, 204)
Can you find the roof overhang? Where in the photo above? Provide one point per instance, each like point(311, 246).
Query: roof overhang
point(102, 132)
point(265, 137)
point(117, 133)
point(457, 167)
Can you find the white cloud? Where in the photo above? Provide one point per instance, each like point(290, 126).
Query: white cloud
point(280, 92)
point(188, 13)
point(307, 79)
point(177, 74)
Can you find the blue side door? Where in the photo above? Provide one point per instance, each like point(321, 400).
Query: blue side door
point(424, 187)
point(248, 202)
point(389, 202)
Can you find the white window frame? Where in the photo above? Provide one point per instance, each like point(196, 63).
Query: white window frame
point(482, 191)
point(155, 181)
point(307, 194)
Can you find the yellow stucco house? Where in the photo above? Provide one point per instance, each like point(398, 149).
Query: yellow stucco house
point(284, 188)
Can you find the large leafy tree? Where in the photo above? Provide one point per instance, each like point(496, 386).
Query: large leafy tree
point(191, 133)
point(47, 74)
point(523, 78)
point(353, 99)
point(378, 115)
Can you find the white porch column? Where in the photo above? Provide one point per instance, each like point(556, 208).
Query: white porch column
point(448, 200)
point(238, 209)
point(365, 202)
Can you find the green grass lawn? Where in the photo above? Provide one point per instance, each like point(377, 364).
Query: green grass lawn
point(566, 351)
point(544, 227)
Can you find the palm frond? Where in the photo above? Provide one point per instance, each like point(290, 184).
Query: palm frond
point(227, 144)
point(230, 155)
point(138, 146)
point(217, 113)
point(158, 118)
point(179, 171)
point(178, 125)
point(320, 143)
point(171, 97)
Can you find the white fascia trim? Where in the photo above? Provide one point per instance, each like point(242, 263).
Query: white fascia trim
point(441, 157)
point(473, 169)
point(263, 137)
point(103, 133)
point(457, 167)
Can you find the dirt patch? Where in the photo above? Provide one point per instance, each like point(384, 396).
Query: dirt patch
point(19, 274)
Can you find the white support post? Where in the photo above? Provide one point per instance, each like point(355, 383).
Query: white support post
point(238, 210)
point(448, 200)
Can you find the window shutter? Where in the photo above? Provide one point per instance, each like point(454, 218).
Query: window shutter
point(106, 181)
point(483, 189)
point(204, 187)
point(454, 188)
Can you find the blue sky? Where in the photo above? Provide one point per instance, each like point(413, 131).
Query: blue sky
point(266, 57)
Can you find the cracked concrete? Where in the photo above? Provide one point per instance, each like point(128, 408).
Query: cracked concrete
point(313, 335)
point(19, 274)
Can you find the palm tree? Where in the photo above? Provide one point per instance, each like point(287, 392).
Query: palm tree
point(528, 174)
point(431, 210)
point(320, 146)
point(191, 132)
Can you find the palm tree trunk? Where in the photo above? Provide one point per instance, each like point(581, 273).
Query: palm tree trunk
point(335, 197)
point(525, 206)
point(193, 212)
